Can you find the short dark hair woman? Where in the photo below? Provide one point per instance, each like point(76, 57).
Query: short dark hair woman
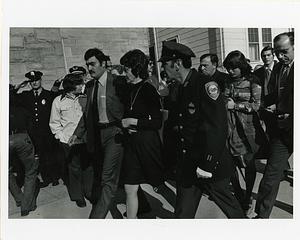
point(243, 101)
point(142, 157)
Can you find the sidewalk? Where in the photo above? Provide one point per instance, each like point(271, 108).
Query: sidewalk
point(53, 203)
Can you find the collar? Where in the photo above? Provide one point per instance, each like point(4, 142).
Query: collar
point(103, 78)
point(187, 78)
point(69, 95)
point(270, 67)
point(38, 91)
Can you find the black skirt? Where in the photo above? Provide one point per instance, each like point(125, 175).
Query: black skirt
point(142, 161)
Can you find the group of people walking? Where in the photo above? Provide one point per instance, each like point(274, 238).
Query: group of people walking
point(109, 130)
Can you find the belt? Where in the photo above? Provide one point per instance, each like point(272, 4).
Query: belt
point(107, 125)
point(16, 131)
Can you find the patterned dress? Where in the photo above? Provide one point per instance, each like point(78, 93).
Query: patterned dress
point(242, 120)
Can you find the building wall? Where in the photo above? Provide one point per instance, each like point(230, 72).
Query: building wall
point(54, 50)
point(237, 39)
point(200, 40)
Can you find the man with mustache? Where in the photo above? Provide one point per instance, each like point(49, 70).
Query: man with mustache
point(102, 122)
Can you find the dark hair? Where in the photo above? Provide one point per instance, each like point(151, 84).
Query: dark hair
point(213, 58)
point(267, 48)
point(137, 61)
point(237, 59)
point(95, 52)
point(290, 35)
point(71, 80)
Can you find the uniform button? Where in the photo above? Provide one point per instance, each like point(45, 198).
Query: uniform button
point(36, 120)
point(184, 151)
point(181, 127)
point(36, 114)
point(35, 109)
point(180, 114)
point(182, 139)
point(35, 103)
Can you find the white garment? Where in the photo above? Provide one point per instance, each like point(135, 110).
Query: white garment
point(65, 115)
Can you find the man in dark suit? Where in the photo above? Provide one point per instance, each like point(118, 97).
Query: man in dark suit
point(264, 73)
point(102, 122)
point(208, 67)
point(279, 101)
point(204, 163)
point(38, 102)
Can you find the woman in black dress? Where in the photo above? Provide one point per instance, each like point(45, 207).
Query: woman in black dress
point(142, 120)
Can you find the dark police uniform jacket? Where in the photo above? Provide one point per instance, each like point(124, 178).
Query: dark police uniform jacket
point(39, 108)
point(202, 125)
point(282, 94)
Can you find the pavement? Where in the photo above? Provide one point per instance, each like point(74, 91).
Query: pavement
point(53, 202)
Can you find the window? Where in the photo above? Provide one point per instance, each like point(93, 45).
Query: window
point(253, 44)
point(266, 37)
point(258, 38)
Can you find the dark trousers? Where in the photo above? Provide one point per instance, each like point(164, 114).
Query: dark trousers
point(20, 146)
point(111, 155)
point(188, 198)
point(80, 172)
point(49, 166)
point(274, 171)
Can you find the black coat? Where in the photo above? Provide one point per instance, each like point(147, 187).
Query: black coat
point(202, 123)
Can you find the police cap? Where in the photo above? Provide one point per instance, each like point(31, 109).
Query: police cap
point(172, 50)
point(77, 70)
point(34, 75)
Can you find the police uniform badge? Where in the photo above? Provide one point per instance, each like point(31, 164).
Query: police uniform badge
point(212, 90)
point(43, 101)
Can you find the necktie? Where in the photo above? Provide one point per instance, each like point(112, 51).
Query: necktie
point(268, 75)
point(282, 81)
point(36, 94)
point(95, 102)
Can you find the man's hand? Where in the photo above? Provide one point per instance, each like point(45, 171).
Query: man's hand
point(21, 85)
point(203, 174)
point(230, 103)
point(72, 140)
point(271, 108)
point(127, 122)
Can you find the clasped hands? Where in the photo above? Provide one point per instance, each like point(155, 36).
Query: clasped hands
point(129, 122)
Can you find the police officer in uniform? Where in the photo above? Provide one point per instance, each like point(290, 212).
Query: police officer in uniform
point(204, 163)
point(38, 102)
point(21, 151)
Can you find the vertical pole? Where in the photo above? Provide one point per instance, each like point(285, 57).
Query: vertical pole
point(156, 55)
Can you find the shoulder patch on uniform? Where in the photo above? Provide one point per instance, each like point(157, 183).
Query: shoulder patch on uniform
point(212, 90)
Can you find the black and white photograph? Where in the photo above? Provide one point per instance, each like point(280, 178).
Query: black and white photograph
point(140, 124)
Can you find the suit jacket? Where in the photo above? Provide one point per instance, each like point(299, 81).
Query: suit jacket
point(114, 108)
point(202, 122)
point(284, 102)
point(261, 74)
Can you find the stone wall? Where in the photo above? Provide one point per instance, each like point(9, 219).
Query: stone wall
point(54, 50)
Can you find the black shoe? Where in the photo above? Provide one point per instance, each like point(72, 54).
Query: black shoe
point(55, 183)
point(81, 203)
point(26, 212)
point(257, 217)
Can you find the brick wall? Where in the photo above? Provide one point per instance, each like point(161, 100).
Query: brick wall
point(54, 50)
